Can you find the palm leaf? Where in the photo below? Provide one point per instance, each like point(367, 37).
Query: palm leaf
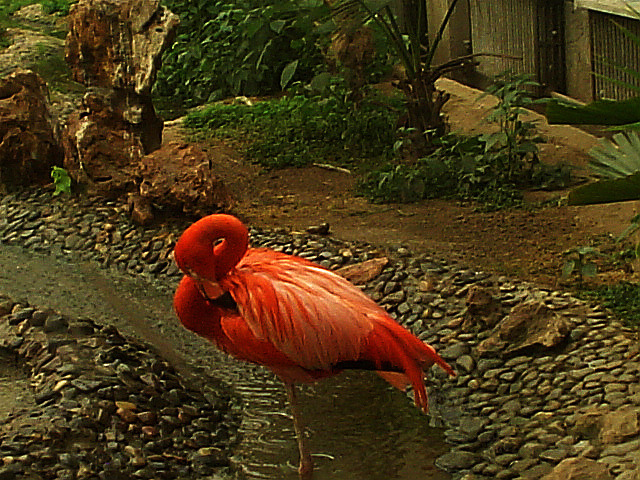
point(617, 158)
point(622, 83)
point(607, 191)
point(600, 112)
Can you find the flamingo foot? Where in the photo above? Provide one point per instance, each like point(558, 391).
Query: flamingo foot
point(305, 470)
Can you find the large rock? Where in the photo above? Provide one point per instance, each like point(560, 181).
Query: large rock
point(117, 45)
point(482, 311)
point(100, 151)
point(530, 327)
point(113, 144)
point(28, 144)
point(579, 468)
point(178, 178)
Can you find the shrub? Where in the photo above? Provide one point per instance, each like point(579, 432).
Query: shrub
point(234, 48)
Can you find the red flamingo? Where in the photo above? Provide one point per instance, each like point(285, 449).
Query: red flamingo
point(298, 319)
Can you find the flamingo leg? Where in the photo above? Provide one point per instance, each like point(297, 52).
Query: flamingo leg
point(305, 470)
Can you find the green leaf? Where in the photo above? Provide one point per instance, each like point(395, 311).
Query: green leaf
point(287, 73)
point(617, 158)
point(321, 82)
point(568, 267)
point(61, 180)
point(600, 112)
point(635, 225)
point(587, 250)
point(607, 191)
point(278, 25)
point(589, 270)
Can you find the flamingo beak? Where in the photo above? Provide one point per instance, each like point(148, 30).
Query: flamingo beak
point(210, 290)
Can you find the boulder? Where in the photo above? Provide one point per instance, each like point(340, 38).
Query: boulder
point(100, 152)
point(178, 179)
point(113, 144)
point(483, 310)
point(28, 143)
point(530, 327)
point(117, 45)
point(620, 425)
point(588, 424)
point(579, 468)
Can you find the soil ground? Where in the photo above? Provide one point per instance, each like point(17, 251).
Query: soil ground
point(523, 243)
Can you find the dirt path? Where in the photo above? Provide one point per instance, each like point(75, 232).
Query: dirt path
point(523, 243)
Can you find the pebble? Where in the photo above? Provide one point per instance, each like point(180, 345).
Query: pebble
point(506, 417)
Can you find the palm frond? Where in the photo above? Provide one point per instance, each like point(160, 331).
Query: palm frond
point(600, 112)
point(617, 158)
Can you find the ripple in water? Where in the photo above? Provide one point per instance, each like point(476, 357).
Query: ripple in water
point(360, 428)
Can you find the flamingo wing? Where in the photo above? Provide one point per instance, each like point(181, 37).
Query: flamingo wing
point(312, 315)
point(229, 331)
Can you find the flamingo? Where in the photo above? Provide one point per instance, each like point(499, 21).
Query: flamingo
point(297, 318)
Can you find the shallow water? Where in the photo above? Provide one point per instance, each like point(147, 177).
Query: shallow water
point(361, 428)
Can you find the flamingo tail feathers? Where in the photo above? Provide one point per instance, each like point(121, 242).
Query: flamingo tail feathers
point(389, 343)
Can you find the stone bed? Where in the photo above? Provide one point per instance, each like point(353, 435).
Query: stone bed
point(104, 406)
point(547, 385)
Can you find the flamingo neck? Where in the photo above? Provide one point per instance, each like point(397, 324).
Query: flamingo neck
point(197, 251)
point(194, 312)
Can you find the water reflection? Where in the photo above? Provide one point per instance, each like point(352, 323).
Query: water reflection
point(360, 428)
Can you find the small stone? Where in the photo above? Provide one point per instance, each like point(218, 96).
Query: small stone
point(126, 415)
point(149, 431)
point(465, 363)
point(55, 323)
point(126, 405)
point(148, 418)
point(553, 455)
point(454, 351)
point(456, 460)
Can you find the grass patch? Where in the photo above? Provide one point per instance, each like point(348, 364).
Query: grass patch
point(622, 298)
point(298, 130)
point(8, 8)
point(52, 67)
point(49, 26)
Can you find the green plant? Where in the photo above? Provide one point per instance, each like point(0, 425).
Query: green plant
point(622, 298)
point(491, 169)
point(581, 262)
point(516, 138)
point(5, 41)
point(299, 130)
point(7, 8)
point(58, 7)
point(414, 47)
point(616, 162)
point(61, 180)
point(240, 47)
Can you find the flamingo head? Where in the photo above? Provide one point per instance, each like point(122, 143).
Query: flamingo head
point(209, 249)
